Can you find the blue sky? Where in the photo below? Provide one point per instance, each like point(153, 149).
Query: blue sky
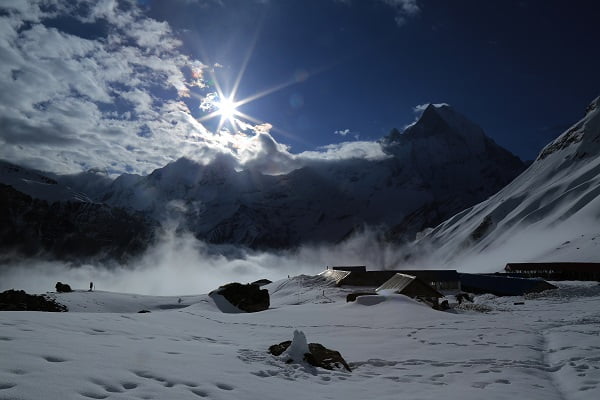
point(117, 85)
point(522, 70)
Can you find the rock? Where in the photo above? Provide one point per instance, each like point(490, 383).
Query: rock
point(278, 349)
point(318, 355)
point(352, 296)
point(444, 305)
point(19, 300)
point(63, 287)
point(248, 298)
point(262, 282)
point(462, 297)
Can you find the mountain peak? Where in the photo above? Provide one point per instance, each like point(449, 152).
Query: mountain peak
point(594, 105)
point(441, 118)
point(439, 121)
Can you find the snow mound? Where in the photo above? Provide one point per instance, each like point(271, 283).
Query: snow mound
point(109, 302)
point(298, 348)
point(223, 304)
point(369, 300)
point(304, 289)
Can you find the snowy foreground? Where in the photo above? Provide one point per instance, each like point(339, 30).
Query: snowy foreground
point(548, 348)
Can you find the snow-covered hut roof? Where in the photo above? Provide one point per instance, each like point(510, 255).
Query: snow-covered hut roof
point(410, 286)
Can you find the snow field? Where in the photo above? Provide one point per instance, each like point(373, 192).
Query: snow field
point(547, 348)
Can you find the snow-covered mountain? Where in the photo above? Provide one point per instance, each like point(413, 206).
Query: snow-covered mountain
point(42, 216)
point(443, 161)
point(38, 184)
point(551, 212)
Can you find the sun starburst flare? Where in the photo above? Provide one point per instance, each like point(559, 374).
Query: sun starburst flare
point(226, 106)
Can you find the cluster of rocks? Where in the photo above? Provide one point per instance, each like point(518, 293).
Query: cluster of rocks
point(318, 355)
point(63, 287)
point(248, 298)
point(19, 300)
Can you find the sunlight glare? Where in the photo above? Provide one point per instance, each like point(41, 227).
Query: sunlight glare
point(227, 109)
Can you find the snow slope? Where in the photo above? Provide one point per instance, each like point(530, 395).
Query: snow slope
point(37, 184)
point(550, 212)
point(547, 348)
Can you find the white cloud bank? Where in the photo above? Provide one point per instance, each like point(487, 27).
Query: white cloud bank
point(115, 100)
point(180, 265)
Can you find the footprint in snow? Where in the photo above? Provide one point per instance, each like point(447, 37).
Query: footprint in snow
point(224, 386)
point(93, 395)
point(4, 386)
point(53, 359)
point(200, 393)
point(18, 371)
point(129, 385)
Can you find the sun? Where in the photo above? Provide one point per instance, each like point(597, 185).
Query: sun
point(227, 109)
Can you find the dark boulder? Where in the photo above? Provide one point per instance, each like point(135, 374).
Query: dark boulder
point(352, 296)
point(248, 298)
point(462, 297)
point(319, 355)
point(278, 349)
point(19, 300)
point(63, 287)
point(262, 282)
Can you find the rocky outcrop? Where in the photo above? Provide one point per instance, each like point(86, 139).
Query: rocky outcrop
point(248, 298)
point(318, 355)
point(63, 287)
point(352, 296)
point(71, 230)
point(19, 300)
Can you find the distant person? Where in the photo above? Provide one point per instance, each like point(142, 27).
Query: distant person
point(91, 286)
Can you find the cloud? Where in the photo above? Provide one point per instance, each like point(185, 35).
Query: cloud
point(418, 109)
point(404, 9)
point(114, 93)
point(209, 101)
point(71, 102)
point(342, 132)
point(346, 150)
point(180, 264)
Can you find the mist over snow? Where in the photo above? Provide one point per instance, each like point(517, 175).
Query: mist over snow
point(180, 264)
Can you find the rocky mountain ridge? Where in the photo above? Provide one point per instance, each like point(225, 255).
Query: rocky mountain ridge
point(437, 167)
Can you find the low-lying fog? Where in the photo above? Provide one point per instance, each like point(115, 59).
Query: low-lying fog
point(181, 265)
